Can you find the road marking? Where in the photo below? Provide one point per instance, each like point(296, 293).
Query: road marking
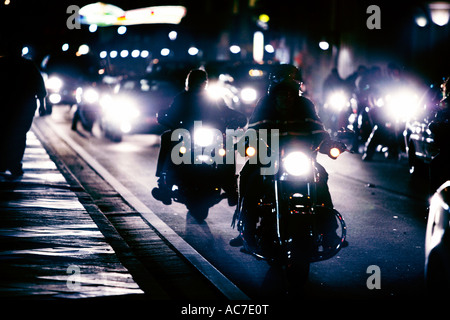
point(228, 288)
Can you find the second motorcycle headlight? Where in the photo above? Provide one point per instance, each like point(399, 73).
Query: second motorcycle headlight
point(297, 163)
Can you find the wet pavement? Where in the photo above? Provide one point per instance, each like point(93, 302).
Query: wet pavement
point(50, 248)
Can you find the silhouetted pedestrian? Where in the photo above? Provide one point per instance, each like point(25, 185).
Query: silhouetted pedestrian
point(21, 84)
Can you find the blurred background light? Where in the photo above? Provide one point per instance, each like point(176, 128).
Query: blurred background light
point(83, 49)
point(173, 35)
point(193, 51)
point(324, 45)
point(135, 53)
point(264, 18)
point(269, 48)
point(440, 13)
point(165, 52)
point(421, 21)
point(235, 49)
point(258, 46)
point(92, 28)
point(121, 30)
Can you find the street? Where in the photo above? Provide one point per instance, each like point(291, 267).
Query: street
point(383, 208)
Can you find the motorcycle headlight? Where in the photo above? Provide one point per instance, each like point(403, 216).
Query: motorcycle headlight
point(249, 95)
point(297, 164)
point(402, 105)
point(203, 137)
point(338, 100)
point(216, 91)
point(91, 95)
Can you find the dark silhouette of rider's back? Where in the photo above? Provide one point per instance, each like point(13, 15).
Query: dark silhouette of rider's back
point(194, 104)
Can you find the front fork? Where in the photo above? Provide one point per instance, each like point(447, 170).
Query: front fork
point(295, 224)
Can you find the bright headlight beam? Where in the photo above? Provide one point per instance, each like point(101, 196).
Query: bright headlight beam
point(203, 137)
point(297, 163)
point(91, 95)
point(338, 101)
point(248, 95)
point(402, 105)
point(54, 83)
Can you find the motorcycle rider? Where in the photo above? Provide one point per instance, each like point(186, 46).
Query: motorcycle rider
point(191, 105)
point(440, 127)
point(384, 132)
point(279, 109)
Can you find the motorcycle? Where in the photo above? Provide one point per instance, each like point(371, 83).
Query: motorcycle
point(337, 109)
point(388, 114)
point(196, 172)
point(279, 217)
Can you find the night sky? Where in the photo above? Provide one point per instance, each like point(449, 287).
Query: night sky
point(43, 25)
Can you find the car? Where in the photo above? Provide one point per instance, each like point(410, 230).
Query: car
point(437, 243)
point(133, 105)
point(64, 74)
point(420, 146)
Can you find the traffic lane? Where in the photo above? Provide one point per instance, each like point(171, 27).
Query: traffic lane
point(133, 162)
point(384, 229)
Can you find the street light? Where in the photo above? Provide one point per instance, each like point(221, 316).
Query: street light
point(235, 49)
point(135, 53)
point(193, 51)
point(165, 52)
point(258, 46)
point(173, 35)
point(324, 45)
point(269, 48)
point(121, 30)
point(92, 28)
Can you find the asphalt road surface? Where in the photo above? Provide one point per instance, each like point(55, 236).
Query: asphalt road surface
point(385, 213)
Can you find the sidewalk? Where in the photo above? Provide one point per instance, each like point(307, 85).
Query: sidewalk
point(50, 248)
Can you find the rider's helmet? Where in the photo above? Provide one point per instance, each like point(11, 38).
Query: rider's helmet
point(284, 76)
point(196, 79)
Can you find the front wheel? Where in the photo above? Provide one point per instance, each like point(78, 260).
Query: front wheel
point(198, 209)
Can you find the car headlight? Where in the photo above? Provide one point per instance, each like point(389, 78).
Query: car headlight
point(54, 83)
point(249, 95)
point(91, 95)
point(203, 137)
point(297, 163)
point(54, 98)
point(120, 110)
